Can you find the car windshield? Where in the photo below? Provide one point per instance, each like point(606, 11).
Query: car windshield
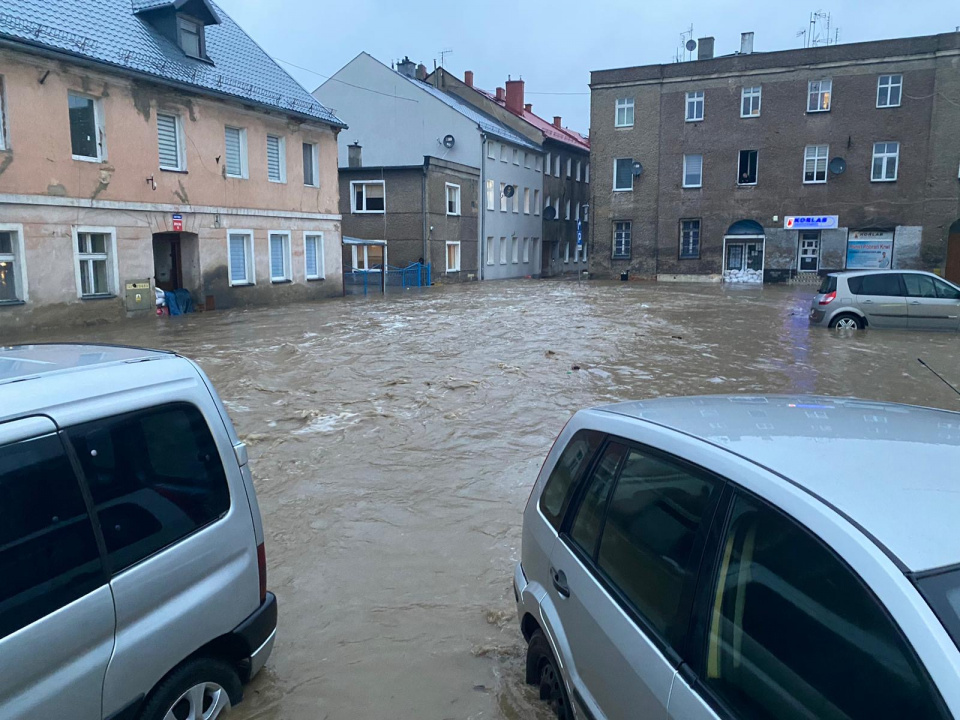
point(942, 593)
point(828, 285)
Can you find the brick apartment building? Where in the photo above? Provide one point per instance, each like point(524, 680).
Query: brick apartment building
point(779, 165)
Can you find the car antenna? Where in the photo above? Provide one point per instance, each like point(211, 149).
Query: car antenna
point(939, 376)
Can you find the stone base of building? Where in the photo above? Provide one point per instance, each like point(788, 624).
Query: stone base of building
point(668, 277)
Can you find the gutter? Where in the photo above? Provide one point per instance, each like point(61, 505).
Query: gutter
point(481, 241)
point(423, 205)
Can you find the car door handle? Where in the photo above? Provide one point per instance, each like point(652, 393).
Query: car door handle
point(560, 582)
point(867, 302)
point(914, 302)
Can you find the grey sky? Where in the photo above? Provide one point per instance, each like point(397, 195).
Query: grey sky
point(553, 46)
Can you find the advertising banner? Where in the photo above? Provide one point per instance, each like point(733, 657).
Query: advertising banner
point(869, 250)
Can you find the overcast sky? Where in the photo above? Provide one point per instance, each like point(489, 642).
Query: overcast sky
point(555, 45)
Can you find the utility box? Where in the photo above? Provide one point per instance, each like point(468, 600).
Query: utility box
point(139, 296)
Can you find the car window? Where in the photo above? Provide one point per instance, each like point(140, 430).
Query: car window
point(854, 284)
point(920, 286)
point(566, 473)
point(649, 537)
point(828, 285)
point(155, 476)
point(945, 291)
point(794, 634)
point(585, 529)
point(880, 284)
point(48, 552)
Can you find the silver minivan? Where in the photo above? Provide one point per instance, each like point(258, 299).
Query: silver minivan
point(749, 558)
point(131, 545)
point(886, 299)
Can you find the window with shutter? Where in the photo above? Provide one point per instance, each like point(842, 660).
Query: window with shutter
point(276, 171)
point(233, 138)
point(313, 254)
point(241, 257)
point(279, 261)
point(168, 137)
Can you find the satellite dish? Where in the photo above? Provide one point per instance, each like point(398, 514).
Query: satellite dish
point(838, 165)
point(691, 45)
point(549, 213)
point(509, 190)
point(637, 169)
point(449, 141)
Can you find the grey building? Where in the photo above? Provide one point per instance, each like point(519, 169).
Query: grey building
point(778, 165)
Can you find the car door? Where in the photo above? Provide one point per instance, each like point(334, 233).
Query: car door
point(785, 630)
point(56, 608)
point(931, 303)
point(881, 298)
point(623, 576)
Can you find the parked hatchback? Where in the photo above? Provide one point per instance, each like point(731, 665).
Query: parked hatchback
point(131, 546)
point(761, 558)
point(886, 298)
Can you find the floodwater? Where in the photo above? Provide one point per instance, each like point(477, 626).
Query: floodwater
point(394, 442)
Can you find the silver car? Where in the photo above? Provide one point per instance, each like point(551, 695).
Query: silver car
point(761, 558)
point(131, 546)
point(886, 299)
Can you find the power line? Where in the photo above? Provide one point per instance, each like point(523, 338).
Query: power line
point(344, 82)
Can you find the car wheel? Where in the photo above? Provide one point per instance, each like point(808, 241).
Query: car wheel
point(846, 322)
point(542, 670)
point(201, 689)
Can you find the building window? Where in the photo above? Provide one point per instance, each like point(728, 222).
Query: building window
point(586, 174)
point(566, 214)
point(516, 198)
point(586, 212)
point(747, 167)
point(516, 156)
point(889, 90)
point(240, 249)
point(569, 168)
point(368, 258)
point(576, 253)
point(368, 196)
point(453, 199)
point(3, 107)
point(190, 34)
point(538, 163)
point(750, 102)
point(526, 250)
point(276, 159)
point(492, 150)
point(578, 170)
point(689, 239)
point(556, 166)
point(815, 163)
point(503, 152)
point(526, 201)
point(556, 209)
point(503, 251)
point(566, 252)
point(503, 197)
point(489, 250)
point(576, 212)
point(692, 171)
point(490, 191)
point(546, 206)
point(235, 140)
point(86, 128)
point(819, 93)
point(13, 276)
point(536, 201)
point(96, 261)
point(623, 174)
point(280, 257)
point(313, 256)
point(886, 159)
point(453, 257)
point(809, 260)
point(624, 116)
point(694, 106)
point(526, 160)
point(170, 139)
point(515, 249)
point(621, 240)
point(583, 256)
point(549, 163)
point(311, 162)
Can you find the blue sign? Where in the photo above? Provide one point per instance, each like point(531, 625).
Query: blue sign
point(810, 222)
point(579, 234)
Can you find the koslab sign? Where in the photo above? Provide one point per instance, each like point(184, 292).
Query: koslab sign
point(869, 250)
point(810, 222)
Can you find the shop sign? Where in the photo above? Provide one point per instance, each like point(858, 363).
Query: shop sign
point(869, 250)
point(811, 222)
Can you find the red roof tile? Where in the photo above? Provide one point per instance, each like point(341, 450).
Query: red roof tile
point(564, 135)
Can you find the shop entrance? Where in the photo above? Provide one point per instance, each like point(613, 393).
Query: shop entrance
point(952, 272)
point(743, 247)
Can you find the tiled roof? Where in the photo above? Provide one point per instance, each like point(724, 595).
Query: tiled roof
point(564, 135)
point(110, 32)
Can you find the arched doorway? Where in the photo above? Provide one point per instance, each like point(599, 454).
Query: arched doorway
point(952, 270)
point(743, 246)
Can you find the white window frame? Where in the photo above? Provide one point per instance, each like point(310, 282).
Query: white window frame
point(19, 260)
point(538, 163)
point(3, 108)
point(526, 160)
point(800, 255)
point(566, 210)
point(516, 199)
point(684, 178)
point(287, 256)
point(576, 253)
point(503, 152)
point(556, 166)
point(694, 99)
point(626, 105)
point(315, 159)
point(569, 168)
point(113, 268)
point(820, 93)
point(548, 163)
point(536, 201)
point(627, 229)
point(353, 197)
point(503, 197)
point(756, 180)
point(889, 86)
point(282, 150)
point(516, 157)
point(526, 201)
point(452, 243)
point(247, 256)
point(515, 249)
point(490, 189)
point(321, 273)
point(583, 255)
point(489, 248)
point(566, 252)
point(751, 94)
point(503, 250)
point(622, 189)
point(586, 174)
point(556, 209)
point(526, 250)
point(815, 158)
point(244, 168)
point(492, 150)
point(98, 122)
point(577, 212)
point(447, 188)
point(181, 165)
point(579, 168)
point(885, 157)
point(197, 27)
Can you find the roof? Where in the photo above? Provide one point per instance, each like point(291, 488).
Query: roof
point(27, 362)
point(116, 33)
point(361, 241)
point(562, 134)
point(892, 469)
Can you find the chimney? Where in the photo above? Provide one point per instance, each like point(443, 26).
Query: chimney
point(499, 95)
point(354, 158)
point(528, 107)
point(468, 78)
point(556, 121)
point(746, 43)
point(407, 67)
point(515, 96)
point(705, 48)
point(421, 72)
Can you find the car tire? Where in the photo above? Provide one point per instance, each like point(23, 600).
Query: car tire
point(204, 682)
point(846, 321)
point(542, 670)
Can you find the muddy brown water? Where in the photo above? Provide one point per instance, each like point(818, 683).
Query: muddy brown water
point(394, 443)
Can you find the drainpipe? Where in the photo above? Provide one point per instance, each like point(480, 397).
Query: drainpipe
point(481, 240)
point(423, 205)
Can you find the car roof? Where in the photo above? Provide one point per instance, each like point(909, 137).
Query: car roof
point(889, 468)
point(853, 273)
point(24, 362)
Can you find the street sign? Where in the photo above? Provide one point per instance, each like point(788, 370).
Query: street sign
point(810, 222)
point(178, 223)
point(579, 234)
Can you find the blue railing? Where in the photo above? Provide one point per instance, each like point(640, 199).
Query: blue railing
point(367, 281)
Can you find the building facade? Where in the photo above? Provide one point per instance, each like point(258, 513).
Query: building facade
point(406, 119)
point(773, 166)
point(122, 168)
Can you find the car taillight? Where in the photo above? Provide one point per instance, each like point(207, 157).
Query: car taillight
point(262, 567)
point(828, 298)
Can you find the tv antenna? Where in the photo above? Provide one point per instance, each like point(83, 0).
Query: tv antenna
point(818, 32)
point(443, 56)
point(687, 46)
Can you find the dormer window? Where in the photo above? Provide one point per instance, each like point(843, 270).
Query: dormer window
point(190, 35)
